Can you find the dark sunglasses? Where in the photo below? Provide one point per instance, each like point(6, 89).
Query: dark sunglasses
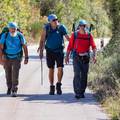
point(82, 25)
point(54, 20)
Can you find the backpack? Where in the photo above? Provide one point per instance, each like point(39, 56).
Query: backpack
point(49, 30)
point(76, 35)
point(75, 30)
point(6, 31)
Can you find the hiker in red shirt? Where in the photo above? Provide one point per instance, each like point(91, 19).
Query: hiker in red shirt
point(79, 44)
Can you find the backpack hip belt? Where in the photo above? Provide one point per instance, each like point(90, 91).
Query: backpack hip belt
point(83, 54)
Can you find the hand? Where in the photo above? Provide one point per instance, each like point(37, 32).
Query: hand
point(40, 53)
point(94, 59)
point(66, 59)
point(2, 61)
point(26, 61)
point(38, 49)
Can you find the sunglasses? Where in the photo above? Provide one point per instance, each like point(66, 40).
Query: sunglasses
point(82, 25)
point(54, 20)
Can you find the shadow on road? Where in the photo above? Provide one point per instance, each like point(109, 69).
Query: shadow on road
point(55, 99)
point(3, 95)
point(35, 57)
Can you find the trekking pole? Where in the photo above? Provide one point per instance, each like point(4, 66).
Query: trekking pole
point(41, 71)
point(89, 32)
point(91, 27)
point(73, 27)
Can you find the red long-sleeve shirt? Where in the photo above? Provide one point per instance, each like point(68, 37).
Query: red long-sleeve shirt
point(81, 44)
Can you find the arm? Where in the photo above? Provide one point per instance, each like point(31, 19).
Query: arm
point(24, 46)
point(94, 49)
point(64, 31)
point(69, 48)
point(2, 60)
point(42, 43)
point(25, 49)
point(1, 53)
point(67, 37)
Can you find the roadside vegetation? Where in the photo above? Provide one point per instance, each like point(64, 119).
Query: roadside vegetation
point(104, 77)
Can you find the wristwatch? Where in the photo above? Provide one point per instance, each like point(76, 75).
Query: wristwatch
point(26, 58)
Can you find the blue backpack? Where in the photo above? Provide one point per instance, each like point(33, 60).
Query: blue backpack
point(49, 31)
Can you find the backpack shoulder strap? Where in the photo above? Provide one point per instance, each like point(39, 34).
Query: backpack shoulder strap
point(6, 34)
point(19, 36)
point(59, 29)
point(75, 37)
point(89, 34)
point(48, 29)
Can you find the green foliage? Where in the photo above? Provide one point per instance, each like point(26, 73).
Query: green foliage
point(106, 74)
point(35, 29)
point(27, 12)
point(113, 9)
point(98, 16)
point(14, 10)
point(47, 7)
point(69, 11)
point(105, 81)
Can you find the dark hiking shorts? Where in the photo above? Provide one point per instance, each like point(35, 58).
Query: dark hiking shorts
point(54, 57)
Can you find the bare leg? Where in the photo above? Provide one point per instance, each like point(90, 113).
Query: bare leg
point(58, 85)
point(60, 74)
point(51, 80)
point(51, 76)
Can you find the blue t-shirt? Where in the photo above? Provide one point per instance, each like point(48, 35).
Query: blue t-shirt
point(54, 37)
point(13, 44)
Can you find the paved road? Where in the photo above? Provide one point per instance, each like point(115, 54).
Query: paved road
point(34, 103)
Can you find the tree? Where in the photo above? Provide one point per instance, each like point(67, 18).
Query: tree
point(113, 9)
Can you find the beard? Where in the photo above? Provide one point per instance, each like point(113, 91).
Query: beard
point(13, 34)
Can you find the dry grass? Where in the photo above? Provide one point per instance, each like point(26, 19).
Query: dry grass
point(104, 79)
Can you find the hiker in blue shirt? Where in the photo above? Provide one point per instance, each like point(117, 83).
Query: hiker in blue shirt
point(52, 40)
point(11, 45)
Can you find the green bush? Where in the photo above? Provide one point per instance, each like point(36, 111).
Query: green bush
point(104, 79)
point(35, 30)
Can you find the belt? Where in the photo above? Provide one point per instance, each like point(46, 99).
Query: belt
point(83, 54)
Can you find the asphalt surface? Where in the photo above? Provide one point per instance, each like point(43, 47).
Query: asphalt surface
point(34, 102)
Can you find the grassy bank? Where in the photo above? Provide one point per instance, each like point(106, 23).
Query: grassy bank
point(104, 80)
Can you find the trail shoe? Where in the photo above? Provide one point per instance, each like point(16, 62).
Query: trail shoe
point(79, 96)
point(82, 96)
point(9, 91)
point(14, 94)
point(58, 88)
point(52, 90)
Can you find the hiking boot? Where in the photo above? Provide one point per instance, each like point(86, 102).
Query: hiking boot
point(58, 88)
point(79, 96)
point(14, 94)
point(82, 96)
point(9, 91)
point(52, 90)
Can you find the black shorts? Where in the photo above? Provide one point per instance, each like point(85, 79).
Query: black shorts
point(54, 57)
